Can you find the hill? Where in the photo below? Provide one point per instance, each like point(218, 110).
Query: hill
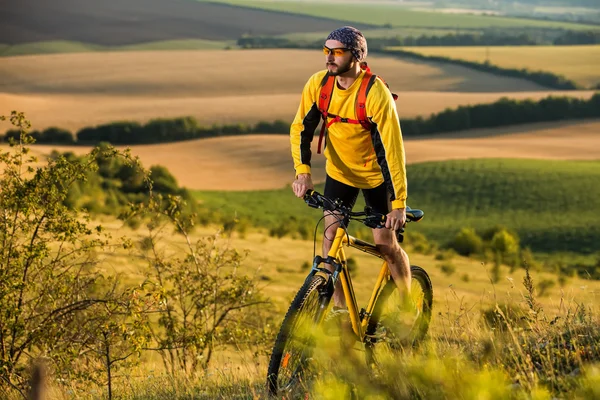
point(126, 22)
point(211, 86)
point(395, 15)
point(263, 162)
point(578, 63)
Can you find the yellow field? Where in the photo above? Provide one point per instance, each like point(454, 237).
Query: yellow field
point(83, 89)
point(264, 161)
point(578, 63)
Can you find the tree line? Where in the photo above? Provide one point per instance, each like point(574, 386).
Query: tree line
point(500, 113)
point(543, 78)
point(486, 38)
point(382, 45)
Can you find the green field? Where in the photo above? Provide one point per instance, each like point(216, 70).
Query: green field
point(395, 16)
point(552, 205)
point(63, 46)
point(577, 63)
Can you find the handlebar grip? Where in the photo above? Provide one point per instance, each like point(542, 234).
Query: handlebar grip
point(375, 221)
point(312, 199)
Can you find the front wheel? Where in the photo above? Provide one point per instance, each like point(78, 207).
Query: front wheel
point(394, 325)
point(293, 346)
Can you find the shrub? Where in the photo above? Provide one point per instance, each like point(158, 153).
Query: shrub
point(419, 242)
point(305, 266)
point(501, 316)
point(56, 135)
point(448, 268)
point(544, 286)
point(467, 242)
point(352, 265)
point(445, 255)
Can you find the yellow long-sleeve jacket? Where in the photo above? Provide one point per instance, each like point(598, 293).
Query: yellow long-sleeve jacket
point(354, 156)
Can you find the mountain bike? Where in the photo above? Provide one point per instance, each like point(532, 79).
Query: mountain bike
point(383, 323)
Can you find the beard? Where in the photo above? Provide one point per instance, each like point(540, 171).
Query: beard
point(340, 69)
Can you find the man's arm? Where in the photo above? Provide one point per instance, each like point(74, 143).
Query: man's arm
point(302, 132)
point(387, 141)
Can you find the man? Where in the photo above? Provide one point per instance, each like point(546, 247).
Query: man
point(356, 158)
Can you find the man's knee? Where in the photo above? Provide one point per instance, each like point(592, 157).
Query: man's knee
point(387, 244)
point(331, 225)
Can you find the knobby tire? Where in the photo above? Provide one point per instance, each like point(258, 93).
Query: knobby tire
point(305, 308)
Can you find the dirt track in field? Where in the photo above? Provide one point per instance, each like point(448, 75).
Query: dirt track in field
point(264, 161)
point(123, 22)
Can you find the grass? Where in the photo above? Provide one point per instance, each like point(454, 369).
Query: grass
point(64, 46)
point(394, 16)
point(464, 357)
point(551, 205)
point(485, 341)
point(578, 63)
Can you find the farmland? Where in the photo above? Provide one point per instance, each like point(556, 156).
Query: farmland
point(578, 63)
point(263, 162)
point(538, 180)
point(126, 22)
point(394, 15)
point(72, 91)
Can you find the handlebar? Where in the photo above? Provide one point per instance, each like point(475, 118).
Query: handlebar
point(372, 219)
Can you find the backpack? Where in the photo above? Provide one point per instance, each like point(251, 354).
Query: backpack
point(327, 86)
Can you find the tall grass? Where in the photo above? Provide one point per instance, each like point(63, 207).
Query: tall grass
point(516, 350)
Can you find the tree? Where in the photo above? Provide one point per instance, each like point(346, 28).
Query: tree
point(208, 299)
point(51, 290)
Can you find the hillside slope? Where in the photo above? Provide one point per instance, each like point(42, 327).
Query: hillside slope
point(253, 162)
point(123, 22)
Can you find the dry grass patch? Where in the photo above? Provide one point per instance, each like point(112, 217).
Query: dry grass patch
point(578, 63)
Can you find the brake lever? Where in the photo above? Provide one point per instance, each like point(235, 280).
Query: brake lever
point(312, 201)
point(375, 222)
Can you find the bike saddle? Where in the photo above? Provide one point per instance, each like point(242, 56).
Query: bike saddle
point(414, 215)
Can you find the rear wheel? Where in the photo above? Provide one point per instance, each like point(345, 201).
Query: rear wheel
point(392, 326)
point(290, 360)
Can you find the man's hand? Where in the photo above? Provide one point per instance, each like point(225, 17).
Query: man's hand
point(396, 219)
point(302, 183)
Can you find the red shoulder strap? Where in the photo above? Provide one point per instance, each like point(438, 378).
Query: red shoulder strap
point(324, 99)
point(326, 92)
point(361, 100)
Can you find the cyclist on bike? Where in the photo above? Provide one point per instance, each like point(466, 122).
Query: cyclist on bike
point(356, 158)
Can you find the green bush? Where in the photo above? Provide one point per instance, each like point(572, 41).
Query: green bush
point(466, 242)
point(419, 242)
point(120, 132)
point(506, 246)
point(445, 255)
point(448, 268)
point(56, 135)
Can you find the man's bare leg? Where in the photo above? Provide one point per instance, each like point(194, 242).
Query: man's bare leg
point(396, 258)
point(331, 225)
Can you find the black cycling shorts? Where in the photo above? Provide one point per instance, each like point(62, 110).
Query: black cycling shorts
point(377, 198)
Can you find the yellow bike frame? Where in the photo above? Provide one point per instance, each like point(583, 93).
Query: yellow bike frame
point(337, 252)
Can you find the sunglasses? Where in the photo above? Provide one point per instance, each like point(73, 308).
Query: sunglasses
point(337, 52)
